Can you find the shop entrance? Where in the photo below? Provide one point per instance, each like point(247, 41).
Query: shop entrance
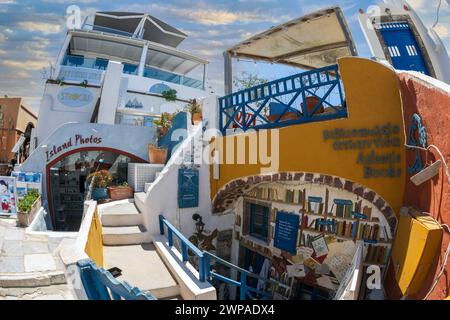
point(68, 183)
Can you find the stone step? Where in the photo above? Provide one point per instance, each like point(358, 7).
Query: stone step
point(130, 235)
point(122, 214)
point(139, 200)
point(142, 267)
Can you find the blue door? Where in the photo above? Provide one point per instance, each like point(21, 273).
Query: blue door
point(403, 47)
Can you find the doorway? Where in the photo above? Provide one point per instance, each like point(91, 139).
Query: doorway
point(68, 183)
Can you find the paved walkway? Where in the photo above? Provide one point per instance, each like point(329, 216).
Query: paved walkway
point(28, 262)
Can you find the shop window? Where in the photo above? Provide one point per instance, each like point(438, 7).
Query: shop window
point(259, 221)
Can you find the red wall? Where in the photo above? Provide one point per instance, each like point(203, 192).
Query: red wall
point(433, 106)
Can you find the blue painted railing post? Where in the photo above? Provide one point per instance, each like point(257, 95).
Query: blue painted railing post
point(243, 292)
point(161, 224)
point(170, 237)
point(206, 261)
point(201, 268)
point(184, 252)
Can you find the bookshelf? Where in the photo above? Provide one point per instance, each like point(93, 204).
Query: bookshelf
point(331, 214)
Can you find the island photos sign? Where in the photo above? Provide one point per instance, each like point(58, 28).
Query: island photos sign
point(77, 140)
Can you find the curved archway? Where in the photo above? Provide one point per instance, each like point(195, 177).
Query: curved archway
point(226, 197)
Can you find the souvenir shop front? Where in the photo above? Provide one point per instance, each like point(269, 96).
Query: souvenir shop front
point(70, 182)
point(305, 236)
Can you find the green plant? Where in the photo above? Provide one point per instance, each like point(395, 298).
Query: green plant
point(100, 179)
point(193, 107)
point(26, 203)
point(84, 83)
point(164, 123)
point(122, 185)
point(170, 95)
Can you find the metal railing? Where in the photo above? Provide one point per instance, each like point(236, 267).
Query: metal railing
point(149, 72)
point(207, 273)
point(311, 96)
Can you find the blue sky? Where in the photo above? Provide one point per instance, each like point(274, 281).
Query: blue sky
point(32, 31)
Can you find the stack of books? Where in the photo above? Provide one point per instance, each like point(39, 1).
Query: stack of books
point(376, 254)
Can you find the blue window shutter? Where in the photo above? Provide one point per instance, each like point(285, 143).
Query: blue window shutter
point(188, 188)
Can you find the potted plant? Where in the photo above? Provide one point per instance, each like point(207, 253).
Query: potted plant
point(100, 181)
point(27, 207)
point(194, 108)
point(120, 192)
point(170, 95)
point(156, 154)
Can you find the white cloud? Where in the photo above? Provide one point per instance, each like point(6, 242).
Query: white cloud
point(3, 38)
point(7, 1)
point(31, 65)
point(43, 27)
point(214, 16)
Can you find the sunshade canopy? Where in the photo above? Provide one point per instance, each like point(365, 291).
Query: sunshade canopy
point(140, 25)
point(313, 41)
point(128, 50)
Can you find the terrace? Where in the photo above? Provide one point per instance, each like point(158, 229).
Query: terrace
point(311, 96)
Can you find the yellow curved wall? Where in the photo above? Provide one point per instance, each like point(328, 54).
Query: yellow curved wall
point(94, 245)
point(373, 98)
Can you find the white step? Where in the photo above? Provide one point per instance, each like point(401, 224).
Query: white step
point(124, 214)
point(142, 267)
point(139, 200)
point(113, 236)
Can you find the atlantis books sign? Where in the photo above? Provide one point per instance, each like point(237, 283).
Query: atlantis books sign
point(75, 141)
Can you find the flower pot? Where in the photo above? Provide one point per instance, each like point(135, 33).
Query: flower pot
point(99, 193)
point(311, 103)
point(26, 218)
point(157, 155)
point(286, 116)
point(120, 193)
point(197, 118)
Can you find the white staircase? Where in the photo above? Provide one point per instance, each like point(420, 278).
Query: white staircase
point(123, 225)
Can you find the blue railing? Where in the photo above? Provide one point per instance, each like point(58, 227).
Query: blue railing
point(206, 273)
point(99, 284)
point(311, 96)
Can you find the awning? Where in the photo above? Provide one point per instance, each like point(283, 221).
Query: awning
point(141, 25)
point(18, 144)
point(313, 41)
point(129, 50)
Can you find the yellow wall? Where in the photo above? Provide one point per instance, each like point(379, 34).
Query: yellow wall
point(94, 245)
point(373, 98)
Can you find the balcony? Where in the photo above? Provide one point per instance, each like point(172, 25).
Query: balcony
point(79, 68)
point(307, 97)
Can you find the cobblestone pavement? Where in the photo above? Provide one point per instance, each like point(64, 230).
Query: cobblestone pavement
point(25, 259)
point(56, 292)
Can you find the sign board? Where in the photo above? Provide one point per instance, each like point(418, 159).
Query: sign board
point(75, 97)
point(27, 181)
point(188, 188)
point(8, 196)
point(286, 230)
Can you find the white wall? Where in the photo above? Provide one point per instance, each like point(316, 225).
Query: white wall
point(162, 198)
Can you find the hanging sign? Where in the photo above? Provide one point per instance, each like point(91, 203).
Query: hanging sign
point(188, 188)
point(286, 230)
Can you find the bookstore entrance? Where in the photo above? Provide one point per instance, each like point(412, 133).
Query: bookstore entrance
point(68, 183)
